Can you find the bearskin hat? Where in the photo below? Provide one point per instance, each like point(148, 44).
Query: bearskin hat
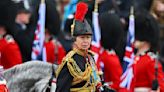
point(21, 7)
point(52, 15)
point(68, 23)
point(7, 15)
point(80, 25)
point(4, 21)
point(111, 30)
point(147, 29)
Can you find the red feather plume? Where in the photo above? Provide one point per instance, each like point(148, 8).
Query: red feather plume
point(81, 10)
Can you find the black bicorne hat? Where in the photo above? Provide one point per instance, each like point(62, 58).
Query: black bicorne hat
point(82, 28)
point(80, 25)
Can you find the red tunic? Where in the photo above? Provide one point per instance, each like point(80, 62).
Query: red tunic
point(3, 88)
point(112, 68)
point(9, 53)
point(145, 71)
point(55, 52)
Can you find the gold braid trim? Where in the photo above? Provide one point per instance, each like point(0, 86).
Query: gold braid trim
point(83, 89)
point(76, 72)
point(91, 52)
point(88, 87)
point(65, 59)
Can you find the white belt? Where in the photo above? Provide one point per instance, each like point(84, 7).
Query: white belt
point(142, 89)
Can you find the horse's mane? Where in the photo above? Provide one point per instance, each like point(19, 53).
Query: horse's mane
point(31, 76)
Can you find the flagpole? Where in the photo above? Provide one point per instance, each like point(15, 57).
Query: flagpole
point(44, 55)
point(97, 32)
point(96, 6)
point(42, 1)
point(96, 28)
point(38, 49)
point(132, 10)
point(128, 75)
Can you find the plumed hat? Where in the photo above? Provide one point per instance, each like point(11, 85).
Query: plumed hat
point(80, 25)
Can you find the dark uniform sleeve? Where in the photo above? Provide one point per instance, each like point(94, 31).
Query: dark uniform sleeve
point(64, 80)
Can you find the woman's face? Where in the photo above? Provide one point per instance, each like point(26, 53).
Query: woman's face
point(83, 42)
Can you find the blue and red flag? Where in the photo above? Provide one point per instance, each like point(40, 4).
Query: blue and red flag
point(95, 45)
point(128, 61)
point(38, 49)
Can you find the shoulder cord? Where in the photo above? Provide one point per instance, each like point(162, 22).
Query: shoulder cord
point(76, 71)
point(65, 59)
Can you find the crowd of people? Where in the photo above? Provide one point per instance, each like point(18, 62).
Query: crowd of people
point(68, 37)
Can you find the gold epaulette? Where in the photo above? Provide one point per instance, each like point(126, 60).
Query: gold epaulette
point(91, 52)
point(65, 59)
point(76, 72)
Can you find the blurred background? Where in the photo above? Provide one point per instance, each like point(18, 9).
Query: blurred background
point(20, 20)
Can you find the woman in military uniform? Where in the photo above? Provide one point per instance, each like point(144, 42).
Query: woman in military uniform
point(77, 72)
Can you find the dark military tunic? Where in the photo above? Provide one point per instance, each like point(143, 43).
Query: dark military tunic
point(75, 74)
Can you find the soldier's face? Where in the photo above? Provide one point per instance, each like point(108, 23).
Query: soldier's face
point(141, 44)
point(2, 31)
point(83, 42)
point(24, 18)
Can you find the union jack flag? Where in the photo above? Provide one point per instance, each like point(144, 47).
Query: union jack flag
point(38, 49)
point(128, 60)
point(95, 45)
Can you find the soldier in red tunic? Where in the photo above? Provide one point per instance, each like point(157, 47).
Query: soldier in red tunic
point(9, 51)
point(108, 62)
point(54, 50)
point(149, 72)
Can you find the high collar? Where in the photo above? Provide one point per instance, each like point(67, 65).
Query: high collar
point(80, 52)
point(143, 52)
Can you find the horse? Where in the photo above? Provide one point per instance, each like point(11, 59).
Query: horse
point(32, 76)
